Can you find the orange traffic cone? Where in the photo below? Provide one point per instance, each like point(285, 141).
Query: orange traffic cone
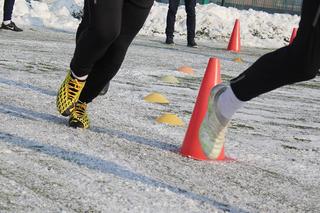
point(293, 35)
point(234, 43)
point(191, 145)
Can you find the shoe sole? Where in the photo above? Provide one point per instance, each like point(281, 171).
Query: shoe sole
point(171, 44)
point(77, 124)
point(68, 111)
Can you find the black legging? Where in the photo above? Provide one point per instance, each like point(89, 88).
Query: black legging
point(103, 37)
point(7, 9)
point(297, 62)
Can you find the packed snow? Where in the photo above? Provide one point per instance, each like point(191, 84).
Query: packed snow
point(258, 29)
point(126, 161)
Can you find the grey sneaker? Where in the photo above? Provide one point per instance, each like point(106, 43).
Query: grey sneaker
point(214, 126)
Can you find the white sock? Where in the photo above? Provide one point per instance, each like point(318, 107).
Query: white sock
point(82, 78)
point(228, 103)
point(7, 22)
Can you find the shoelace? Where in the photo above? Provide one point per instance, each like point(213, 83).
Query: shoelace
point(74, 88)
point(80, 109)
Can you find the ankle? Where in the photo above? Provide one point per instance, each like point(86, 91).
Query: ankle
point(228, 103)
point(79, 78)
point(6, 22)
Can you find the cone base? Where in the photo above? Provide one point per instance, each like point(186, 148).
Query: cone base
point(225, 159)
point(234, 50)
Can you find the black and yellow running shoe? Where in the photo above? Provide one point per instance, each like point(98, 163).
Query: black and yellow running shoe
point(79, 117)
point(68, 94)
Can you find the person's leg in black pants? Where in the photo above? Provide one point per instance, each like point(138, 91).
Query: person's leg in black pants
point(171, 19)
point(101, 25)
point(297, 62)
point(104, 25)
point(84, 24)
point(7, 24)
point(7, 9)
point(107, 67)
point(102, 39)
point(191, 20)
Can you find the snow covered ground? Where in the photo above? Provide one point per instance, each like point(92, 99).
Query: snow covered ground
point(258, 29)
point(127, 162)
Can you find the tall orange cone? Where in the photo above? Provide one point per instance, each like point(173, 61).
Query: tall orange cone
point(191, 146)
point(234, 43)
point(293, 35)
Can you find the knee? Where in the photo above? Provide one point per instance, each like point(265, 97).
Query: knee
point(119, 50)
point(304, 55)
point(105, 35)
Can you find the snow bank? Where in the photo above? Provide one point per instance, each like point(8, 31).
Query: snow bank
point(50, 14)
point(214, 22)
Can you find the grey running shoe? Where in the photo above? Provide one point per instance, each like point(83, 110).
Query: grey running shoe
point(214, 126)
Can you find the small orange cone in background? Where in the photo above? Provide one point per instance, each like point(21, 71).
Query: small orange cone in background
point(238, 60)
point(234, 43)
point(186, 69)
point(293, 35)
point(170, 119)
point(191, 146)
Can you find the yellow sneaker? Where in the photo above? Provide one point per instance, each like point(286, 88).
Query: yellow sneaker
point(79, 117)
point(68, 94)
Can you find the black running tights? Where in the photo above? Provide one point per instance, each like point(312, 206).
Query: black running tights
point(297, 62)
point(103, 37)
